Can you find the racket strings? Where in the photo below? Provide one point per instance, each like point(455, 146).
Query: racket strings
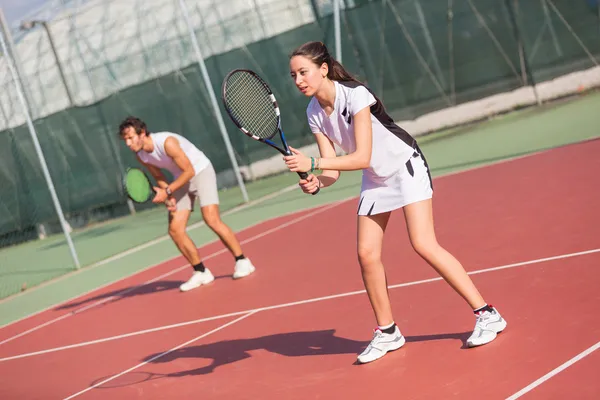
point(137, 185)
point(250, 103)
point(256, 116)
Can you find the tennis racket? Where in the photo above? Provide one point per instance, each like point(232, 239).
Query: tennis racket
point(137, 185)
point(252, 107)
point(130, 378)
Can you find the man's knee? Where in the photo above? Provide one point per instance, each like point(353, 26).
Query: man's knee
point(211, 217)
point(176, 232)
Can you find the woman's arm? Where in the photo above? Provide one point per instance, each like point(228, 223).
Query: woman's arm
point(357, 160)
point(326, 149)
point(361, 157)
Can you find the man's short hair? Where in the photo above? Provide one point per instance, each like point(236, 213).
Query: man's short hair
point(135, 123)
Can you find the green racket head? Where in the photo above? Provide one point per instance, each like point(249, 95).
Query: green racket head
point(137, 185)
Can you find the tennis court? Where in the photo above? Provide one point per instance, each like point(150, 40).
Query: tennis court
point(503, 99)
point(525, 229)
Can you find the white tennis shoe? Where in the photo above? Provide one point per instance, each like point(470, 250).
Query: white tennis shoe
point(243, 268)
point(197, 279)
point(487, 326)
point(381, 344)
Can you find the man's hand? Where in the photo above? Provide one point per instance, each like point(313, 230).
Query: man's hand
point(171, 204)
point(161, 195)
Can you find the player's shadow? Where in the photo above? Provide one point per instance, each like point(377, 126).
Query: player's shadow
point(116, 295)
point(140, 290)
point(293, 344)
point(459, 336)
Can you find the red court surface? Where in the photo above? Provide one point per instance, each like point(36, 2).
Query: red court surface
point(527, 230)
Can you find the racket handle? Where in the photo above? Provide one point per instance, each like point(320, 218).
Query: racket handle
point(304, 175)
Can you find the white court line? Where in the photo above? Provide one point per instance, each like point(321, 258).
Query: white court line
point(232, 211)
point(105, 300)
point(554, 372)
point(295, 303)
point(152, 242)
point(264, 198)
point(162, 355)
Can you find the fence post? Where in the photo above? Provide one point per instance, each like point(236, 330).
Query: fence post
point(39, 152)
point(337, 30)
point(519, 39)
point(213, 99)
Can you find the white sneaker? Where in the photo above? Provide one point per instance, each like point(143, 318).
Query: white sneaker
point(381, 344)
point(243, 268)
point(197, 279)
point(487, 326)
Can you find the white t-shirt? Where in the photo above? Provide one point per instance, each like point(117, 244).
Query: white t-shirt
point(159, 157)
point(391, 145)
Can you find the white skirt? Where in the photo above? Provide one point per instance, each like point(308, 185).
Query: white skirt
point(410, 185)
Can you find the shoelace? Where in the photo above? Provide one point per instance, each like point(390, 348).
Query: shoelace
point(377, 334)
point(481, 318)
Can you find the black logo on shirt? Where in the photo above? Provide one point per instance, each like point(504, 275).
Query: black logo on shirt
point(349, 118)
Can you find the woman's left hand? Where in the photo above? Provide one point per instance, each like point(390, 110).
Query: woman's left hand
point(297, 162)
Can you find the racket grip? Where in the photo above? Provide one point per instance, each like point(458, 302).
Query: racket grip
point(304, 175)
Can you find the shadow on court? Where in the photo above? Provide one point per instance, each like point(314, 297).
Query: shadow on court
point(458, 336)
point(116, 295)
point(294, 344)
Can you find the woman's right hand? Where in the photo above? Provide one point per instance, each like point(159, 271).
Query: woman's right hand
point(310, 184)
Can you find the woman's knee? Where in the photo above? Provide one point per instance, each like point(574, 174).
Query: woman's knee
point(368, 255)
point(424, 246)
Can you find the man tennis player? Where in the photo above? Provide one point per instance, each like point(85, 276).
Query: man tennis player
point(193, 176)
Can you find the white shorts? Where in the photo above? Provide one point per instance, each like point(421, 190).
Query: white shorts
point(203, 186)
point(410, 185)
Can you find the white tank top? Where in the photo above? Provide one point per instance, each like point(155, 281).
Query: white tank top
point(159, 157)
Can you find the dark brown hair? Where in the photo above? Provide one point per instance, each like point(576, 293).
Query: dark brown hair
point(135, 123)
point(317, 52)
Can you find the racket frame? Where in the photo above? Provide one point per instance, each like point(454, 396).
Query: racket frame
point(147, 179)
point(285, 150)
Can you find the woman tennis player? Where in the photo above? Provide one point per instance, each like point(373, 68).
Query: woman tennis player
point(395, 176)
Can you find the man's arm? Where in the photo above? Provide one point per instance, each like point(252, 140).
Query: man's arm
point(174, 150)
point(160, 178)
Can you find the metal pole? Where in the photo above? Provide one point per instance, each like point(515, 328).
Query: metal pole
point(451, 71)
point(548, 19)
point(429, 40)
point(39, 152)
point(337, 32)
point(17, 60)
point(525, 60)
point(114, 148)
point(213, 99)
point(58, 64)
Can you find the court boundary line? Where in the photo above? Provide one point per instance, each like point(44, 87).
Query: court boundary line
point(134, 250)
point(296, 303)
point(143, 246)
point(315, 211)
point(555, 372)
point(267, 197)
point(162, 354)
